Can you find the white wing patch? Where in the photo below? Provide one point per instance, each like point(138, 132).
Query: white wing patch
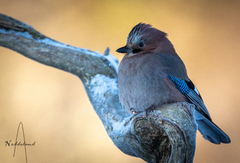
point(195, 90)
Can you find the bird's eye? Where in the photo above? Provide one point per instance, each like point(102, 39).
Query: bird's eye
point(140, 44)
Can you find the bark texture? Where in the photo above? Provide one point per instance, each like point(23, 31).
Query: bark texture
point(166, 134)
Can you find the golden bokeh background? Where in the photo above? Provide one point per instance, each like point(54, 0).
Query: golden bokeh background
point(53, 105)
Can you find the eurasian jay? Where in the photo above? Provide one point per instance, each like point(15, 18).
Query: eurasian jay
point(151, 74)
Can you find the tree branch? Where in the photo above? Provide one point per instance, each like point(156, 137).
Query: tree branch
point(165, 135)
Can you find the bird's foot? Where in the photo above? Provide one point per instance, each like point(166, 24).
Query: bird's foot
point(149, 110)
point(133, 110)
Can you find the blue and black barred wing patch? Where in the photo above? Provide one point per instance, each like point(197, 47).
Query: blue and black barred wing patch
point(207, 128)
point(192, 94)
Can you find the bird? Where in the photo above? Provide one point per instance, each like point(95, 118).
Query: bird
point(152, 74)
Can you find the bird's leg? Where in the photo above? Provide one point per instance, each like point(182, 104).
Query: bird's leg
point(133, 110)
point(150, 109)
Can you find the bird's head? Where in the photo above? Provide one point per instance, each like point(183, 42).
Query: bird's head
point(144, 39)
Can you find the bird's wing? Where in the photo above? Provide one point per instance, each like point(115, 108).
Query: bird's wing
point(190, 91)
point(207, 128)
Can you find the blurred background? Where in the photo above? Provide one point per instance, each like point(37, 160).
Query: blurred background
point(53, 105)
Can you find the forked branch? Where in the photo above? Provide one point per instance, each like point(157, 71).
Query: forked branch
point(165, 135)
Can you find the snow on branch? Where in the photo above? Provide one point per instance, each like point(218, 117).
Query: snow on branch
point(165, 135)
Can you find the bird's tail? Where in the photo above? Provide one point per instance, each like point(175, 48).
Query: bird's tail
point(209, 130)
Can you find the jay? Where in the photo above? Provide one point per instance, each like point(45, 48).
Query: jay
point(151, 74)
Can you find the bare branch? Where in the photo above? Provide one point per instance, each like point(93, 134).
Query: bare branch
point(164, 135)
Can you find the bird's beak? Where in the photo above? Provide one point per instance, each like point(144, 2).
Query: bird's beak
point(124, 50)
